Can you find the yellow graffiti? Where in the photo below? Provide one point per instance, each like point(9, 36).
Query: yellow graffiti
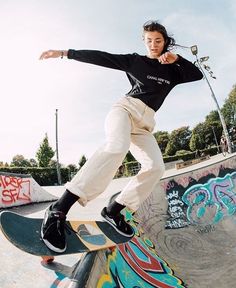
point(107, 277)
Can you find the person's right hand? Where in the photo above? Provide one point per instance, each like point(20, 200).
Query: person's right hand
point(52, 54)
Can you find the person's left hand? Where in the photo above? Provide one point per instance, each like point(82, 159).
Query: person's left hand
point(168, 58)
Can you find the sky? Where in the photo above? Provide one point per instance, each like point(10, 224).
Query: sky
point(31, 90)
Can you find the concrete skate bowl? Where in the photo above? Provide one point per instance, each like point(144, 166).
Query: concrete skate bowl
point(190, 219)
point(20, 189)
point(185, 235)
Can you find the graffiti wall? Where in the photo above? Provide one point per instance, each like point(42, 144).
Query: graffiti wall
point(18, 190)
point(136, 264)
point(203, 198)
point(185, 226)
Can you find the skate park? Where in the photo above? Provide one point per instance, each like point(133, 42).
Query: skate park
point(185, 234)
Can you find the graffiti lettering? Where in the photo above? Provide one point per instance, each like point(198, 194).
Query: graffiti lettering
point(186, 180)
point(206, 229)
point(13, 189)
point(176, 211)
point(211, 202)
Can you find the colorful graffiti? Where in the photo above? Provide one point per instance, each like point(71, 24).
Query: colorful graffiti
point(202, 198)
point(136, 264)
point(14, 189)
point(201, 201)
point(217, 196)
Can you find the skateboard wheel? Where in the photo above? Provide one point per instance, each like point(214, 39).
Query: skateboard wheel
point(47, 259)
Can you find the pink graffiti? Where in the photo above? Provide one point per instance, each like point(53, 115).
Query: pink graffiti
point(14, 189)
point(186, 180)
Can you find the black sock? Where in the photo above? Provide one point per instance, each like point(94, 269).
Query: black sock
point(114, 208)
point(65, 202)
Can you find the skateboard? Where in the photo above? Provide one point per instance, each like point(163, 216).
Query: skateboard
point(24, 233)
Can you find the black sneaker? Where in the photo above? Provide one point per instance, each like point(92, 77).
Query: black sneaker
point(118, 222)
point(53, 230)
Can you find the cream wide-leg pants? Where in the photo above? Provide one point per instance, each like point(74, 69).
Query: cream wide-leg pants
point(128, 126)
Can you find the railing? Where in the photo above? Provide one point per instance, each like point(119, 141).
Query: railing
point(128, 169)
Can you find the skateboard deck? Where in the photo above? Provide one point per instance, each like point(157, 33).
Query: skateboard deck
point(24, 233)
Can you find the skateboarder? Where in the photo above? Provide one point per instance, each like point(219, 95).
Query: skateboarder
point(128, 126)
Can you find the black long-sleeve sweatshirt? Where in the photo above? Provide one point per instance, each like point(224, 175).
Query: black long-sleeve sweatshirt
point(151, 81)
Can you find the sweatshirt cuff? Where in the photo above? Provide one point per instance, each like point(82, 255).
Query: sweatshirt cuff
point(179, 60)
point(70, 54)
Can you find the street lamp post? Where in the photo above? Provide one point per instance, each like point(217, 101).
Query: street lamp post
point(57, 152)
point(217, 145)
point(199, 62)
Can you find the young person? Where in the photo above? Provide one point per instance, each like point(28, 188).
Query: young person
point(128, 126)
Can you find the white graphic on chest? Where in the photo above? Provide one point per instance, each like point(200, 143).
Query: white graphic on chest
point(158, 79)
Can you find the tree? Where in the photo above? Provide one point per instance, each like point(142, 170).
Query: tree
point(212, 128)
point(162, 138)
point(33, 162)
point(45, 153)
point(179, 140)
point(212, 116)
point(82, 161)
point(229, 108)
point(20, 161)
point(53, 164)
point(196, 142)
point(72, 168)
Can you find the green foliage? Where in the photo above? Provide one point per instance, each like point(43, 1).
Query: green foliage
point(182, 152)
point(196, 142)
point(53, 164)
point(82, 161)
point(43, 176)
point(167, 158)
point(45, 153)
point(229, 108)
point(206, 134)
point(213, 132)
point(179, 140)
point(162, 138)
point(190, 155)
point(20, 161)
point(33, 163)
point(212, 117)
point(72, 168)
point(129, 158)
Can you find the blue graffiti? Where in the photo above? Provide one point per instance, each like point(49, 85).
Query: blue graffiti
point(209, 203)
point(135, 264)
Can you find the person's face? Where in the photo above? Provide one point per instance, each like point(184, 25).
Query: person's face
point(154, 42)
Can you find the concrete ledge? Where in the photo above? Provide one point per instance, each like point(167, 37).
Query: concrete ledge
point(191, 162)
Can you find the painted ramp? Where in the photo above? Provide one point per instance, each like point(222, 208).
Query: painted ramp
point(19, 189)
point(185, 233)
point(185, 237)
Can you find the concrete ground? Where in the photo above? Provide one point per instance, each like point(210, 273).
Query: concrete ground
point(22, 270)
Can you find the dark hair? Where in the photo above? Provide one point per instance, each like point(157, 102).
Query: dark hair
point(152, 25)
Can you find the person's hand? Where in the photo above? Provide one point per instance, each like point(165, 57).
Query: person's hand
point(168, 58)
point(53, 54)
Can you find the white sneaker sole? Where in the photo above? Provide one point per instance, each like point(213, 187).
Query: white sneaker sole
point(120, 232)
point(51, 247)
